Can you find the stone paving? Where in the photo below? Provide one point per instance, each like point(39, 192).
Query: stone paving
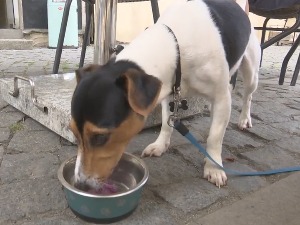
point(30, 154)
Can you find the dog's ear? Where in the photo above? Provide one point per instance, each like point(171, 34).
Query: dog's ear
point(81, 72)
point(142, 90)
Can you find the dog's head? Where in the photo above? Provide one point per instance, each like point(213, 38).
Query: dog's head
point(109, 107)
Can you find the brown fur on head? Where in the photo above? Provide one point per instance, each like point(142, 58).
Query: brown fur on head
point(109, 107)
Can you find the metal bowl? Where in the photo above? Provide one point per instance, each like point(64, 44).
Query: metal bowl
point(131, 174)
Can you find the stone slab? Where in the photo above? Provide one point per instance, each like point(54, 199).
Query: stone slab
point(271, 157)
point(32, 125)
point(4, 134)
point(33, 142)
point(32, 166)
point(54, 93)
point(190, 154)
point(276, 204)
point(292, 144)
point(66, 152)
point(240, 139)
point(29, 197)
point(292, 127)
point(267, 132)
point(191, 195)
point(54, 220)
point(2, 103)
point(10, 118)
point(169, 168)
point(259, 112)
point(1, 153)
point(153, 211)
point(243, 184)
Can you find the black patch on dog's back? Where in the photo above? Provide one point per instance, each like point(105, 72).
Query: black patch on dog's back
point(234, 27)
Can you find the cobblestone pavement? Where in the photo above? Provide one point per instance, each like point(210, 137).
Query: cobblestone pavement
point(30, 154)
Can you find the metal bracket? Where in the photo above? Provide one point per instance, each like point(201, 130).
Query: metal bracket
point(15, 93)
point(117, 49)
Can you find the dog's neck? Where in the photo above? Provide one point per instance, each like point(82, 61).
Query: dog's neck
point(155, 52)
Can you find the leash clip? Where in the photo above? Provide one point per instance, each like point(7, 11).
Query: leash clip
point(171, 120)
point(175, 105)
point(178, 102)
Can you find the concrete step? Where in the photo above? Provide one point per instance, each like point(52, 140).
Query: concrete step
point(55, 92)
point(276, 204)
point(16, 44)
point(11, 34)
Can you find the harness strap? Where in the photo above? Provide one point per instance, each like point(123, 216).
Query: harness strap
point(178, 62)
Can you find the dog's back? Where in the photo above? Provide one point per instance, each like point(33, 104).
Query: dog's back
point(198, 21)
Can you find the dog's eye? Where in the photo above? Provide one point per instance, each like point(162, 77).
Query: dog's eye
point(99, 139)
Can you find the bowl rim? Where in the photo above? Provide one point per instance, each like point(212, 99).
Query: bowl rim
point(73, 189)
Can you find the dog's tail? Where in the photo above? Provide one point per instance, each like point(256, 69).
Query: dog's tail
point(244, 5)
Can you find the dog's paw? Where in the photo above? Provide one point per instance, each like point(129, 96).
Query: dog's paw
point(244, 123)
point(155, 149)
point(214, 174)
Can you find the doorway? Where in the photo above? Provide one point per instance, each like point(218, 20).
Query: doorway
point(7, 19)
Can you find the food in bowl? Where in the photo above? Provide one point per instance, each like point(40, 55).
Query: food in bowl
point(107, 188)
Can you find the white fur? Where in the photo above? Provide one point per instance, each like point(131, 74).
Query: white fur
point(77, 172)
point(204, 70)
point(80, 177)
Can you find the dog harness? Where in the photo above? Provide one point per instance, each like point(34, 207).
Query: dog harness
point(178, 102)
point(174, 121)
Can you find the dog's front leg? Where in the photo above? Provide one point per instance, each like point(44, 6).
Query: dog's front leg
point(163, 140)
point(221, 108)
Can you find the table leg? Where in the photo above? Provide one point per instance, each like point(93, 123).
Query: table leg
point(105, 30)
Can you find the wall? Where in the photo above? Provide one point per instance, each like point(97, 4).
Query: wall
point(134, 17)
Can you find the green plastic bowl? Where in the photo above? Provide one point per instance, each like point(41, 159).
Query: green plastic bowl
point(131, 173)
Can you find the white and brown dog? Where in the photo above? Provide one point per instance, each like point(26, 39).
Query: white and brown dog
point(111, 102)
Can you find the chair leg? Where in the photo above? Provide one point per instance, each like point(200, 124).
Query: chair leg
point(155, 10)
point(296, 72)
point(287, 59)
point(283, 34)
point(263, 37)
point(89, 13)
point(61, 37)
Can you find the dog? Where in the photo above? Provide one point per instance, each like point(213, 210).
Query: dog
point(111, 102)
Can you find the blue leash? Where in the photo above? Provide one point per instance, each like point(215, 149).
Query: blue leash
point(183, 130)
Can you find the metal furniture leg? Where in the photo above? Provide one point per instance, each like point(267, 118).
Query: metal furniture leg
point(105, 30)
point(89, 13)
point(61, 37)
point(155, 10)
point(282, 35)
point(296, 72)
point(263, 37)
point(286, 61)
